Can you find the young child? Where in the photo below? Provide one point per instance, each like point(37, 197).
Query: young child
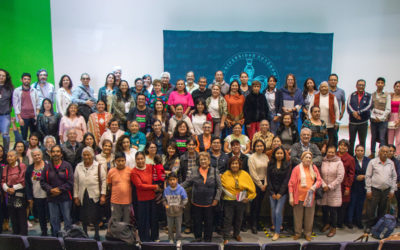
point(158, 177)
point(119, 178)
point(175, 199)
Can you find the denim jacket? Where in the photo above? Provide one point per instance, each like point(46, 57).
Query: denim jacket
point(80, 96)
point(49, 90)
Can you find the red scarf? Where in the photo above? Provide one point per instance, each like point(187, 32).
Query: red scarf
point(332, 115)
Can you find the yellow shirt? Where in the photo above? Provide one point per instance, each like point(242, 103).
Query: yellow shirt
point(243, 183)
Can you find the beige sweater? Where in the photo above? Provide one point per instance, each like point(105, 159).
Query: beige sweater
point(258, 168)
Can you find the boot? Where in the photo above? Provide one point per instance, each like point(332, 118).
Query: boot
point(332, 232)
point(325, 228)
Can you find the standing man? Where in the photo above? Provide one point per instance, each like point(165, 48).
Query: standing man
point(202, 91)
point(359, 106)
point(380, 183)
point(341, 99)
point(6, 94)
point(26, 102)
point(83, 95)
point(379, 115)
point(166, 86)
point(190, 84)
point(219, 80)
point(58, 180)
point(44, 88)
point(142, 114)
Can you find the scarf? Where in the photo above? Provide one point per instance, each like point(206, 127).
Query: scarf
point(303, 181)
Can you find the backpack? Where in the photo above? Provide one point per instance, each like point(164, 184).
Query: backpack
point(74, 232)
point(385, 225)
point(121, 231)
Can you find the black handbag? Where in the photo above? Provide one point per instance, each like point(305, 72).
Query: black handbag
point(18, 199)
point(319, 193)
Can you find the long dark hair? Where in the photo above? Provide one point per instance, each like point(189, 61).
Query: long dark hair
point(42, 106)
point(105, 84)
point(119, 92)
point(15, 146)
point(95, 148)
point(3, 157)
point(184, 89)
point(294, 84)
point(118, 146)
point(69, 106)
point(235, 81)
point(273, 161)
point(8, 83)
point(305, 90)
point(60, 84)
point(200, 100)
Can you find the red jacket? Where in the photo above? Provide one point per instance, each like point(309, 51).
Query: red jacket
point(143, 180)
point(349, 172)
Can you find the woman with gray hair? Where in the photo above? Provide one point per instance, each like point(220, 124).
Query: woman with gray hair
point(90, 190)
point(36, 196)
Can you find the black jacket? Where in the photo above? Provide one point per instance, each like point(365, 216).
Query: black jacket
point(220, 163)
point(63, 178)
point(71, 156)
point(48, 125)
point(244, 160)
point(255, 108)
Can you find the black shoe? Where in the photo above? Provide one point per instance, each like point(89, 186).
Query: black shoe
point(197, 240)
point(360, 226)
point(254, 230)
point(349, 225)
point(244, 229)
point(340, 226)
point(97, 237)
point(44, 234)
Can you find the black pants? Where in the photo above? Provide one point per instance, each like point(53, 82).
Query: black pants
point(42, 210)
point(147, 221)
point(342, 213)
point(330, 215)
point(18, 219)
point(202, 218)
point(378, 201)
point(233, 215)
point(29, 124)
point(332, 134)
point(362, 130)
point(256, 206)
point(397, 193)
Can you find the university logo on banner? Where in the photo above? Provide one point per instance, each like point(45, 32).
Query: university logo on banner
point(259, 54)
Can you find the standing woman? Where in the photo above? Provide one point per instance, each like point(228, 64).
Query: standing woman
point(216, 105)
point(270, 95)
point(349, 170)
point(200, 116)
point(287, 131)
point(180, 96)
point(305, 178)
point(122, 102)
point(289, 99)
point(89, 141)
point(72, 119)
point(181, 136)
point(258, 163)
point(235, 102)
point(6, 89)
point(107, 91)
point(278, 174)
point(394, 121)
point(64, 94)
point(309, 89)
point(3, 206)
point(124, 146)
point(206, 192)
point(97, 123)
point(106, 158)
point(159, 137)
point(142, 178)
point(20, 149)
point(36, 196)
point(319, 132)
point(244, 84)
point(160, 113)
point(48, 121)
point(277, 142)
point(147, 81)
point(234, 182)
point(178, 117)
point(358, 191)
point(90, 190)
point(255, 109)
point(332, 173)
point(157, 95)
point(13, 183)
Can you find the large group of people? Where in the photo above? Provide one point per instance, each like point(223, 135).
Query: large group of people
point(195, 156)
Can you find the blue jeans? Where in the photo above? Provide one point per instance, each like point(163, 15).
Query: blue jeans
point(277, 212)
point(378, 133)
point(55, 208)
point(356, 207)
point(29, 124)
point(5, 122)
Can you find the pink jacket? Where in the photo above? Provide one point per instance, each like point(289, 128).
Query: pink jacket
point(332, 172)
point(294, 182)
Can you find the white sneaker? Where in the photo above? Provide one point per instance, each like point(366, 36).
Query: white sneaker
point(171, 241)
point(178, 243)
point(29, 224)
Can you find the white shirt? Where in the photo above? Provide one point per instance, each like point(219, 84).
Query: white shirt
point(130, 158)
point(63, 100)
point(88, 179)
point(213, 108)
point(198, 121)
point(324, 108)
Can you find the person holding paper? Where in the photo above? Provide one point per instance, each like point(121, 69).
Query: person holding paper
point(238, 189)
point(305, 177)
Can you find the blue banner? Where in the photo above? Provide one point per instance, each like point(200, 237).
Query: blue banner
point(260, 54)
